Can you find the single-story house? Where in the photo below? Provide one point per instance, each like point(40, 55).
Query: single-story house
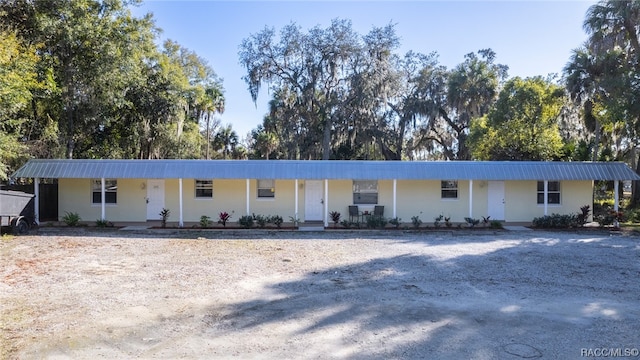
point(307, 190)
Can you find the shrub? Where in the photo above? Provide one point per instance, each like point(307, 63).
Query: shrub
point(436, 221)
point(276, 220)
point(556, 221)
point(415, 220)
point(583, 215)
point(447, 222)
point(205, 221)
point(495, 224)
point(102, 223)
point(374, 222)
point(164, 215)
point(396, 221)
point(486, 221)
point(223, 217)
point(294, 220)
point(260, 220)
point(609, 218)
point(246, 221)
point(335, 217)
point(71, 218)
point(472, 222)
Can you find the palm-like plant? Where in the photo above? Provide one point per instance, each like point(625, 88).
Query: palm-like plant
point(227, 139)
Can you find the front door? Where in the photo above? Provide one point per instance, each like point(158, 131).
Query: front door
point(313, 200)
point(155, 198)
point(495, 201)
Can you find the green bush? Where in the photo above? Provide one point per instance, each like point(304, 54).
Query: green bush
point(556, 221)
point(260, 220)
point(396, 221)
point(471, 221)
point(205, 221)
point(375, 222)
point(415, 220)
point(335, 217)
point(437, 220)
point(246, 221)
point(71, 218)
point(495, 224)
point(276, 220)
point(101, 223)
point(164, 215)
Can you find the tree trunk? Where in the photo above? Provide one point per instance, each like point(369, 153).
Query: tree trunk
point(596, 145)
point(326, 139)
point(635, 185)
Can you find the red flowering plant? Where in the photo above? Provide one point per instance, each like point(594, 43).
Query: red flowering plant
point(223, 217)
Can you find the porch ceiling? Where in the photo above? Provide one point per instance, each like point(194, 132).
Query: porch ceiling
point(330, 169)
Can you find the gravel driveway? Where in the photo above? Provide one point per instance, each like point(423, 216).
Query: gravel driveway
point(331, 295)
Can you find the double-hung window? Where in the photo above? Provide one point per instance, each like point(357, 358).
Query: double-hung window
point(553, 192)
point(266, 189)
point(204, 189)
point(449, 189)
point(110, 191)
point(365, 192)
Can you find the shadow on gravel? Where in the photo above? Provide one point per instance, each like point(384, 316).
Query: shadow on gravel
point(537, 297)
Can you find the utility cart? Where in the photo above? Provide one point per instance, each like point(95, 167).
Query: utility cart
point(17, 211)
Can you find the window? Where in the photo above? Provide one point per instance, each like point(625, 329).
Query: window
point(110, 191)
point(553, 192)
point(365, 192)
point(204, 189)
point(449, 189)
point(266, 189)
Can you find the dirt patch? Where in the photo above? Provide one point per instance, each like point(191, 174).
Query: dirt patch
point(356, 295)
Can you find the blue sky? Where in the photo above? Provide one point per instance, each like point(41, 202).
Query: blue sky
point(531, 37)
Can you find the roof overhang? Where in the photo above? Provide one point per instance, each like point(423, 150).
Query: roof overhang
point(324, 169)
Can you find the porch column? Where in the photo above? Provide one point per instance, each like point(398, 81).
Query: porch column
point(546, 196)
point(36, 200)
point(295, 191)
point(102, 209)
point(616, 201)
point(326, 202)
point(471, 199)
point(181, 220)
point(395, 187)
point(248, 210)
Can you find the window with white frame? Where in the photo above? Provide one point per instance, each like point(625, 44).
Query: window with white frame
point(449, 189)
point(553, 192)
point(266, 189)
point(204, 189)
point(365, 192)
point(110, 191)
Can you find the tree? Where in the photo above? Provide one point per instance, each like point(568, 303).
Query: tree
point(611, 63)
point(523, 124)
point(18, 81)
point(265, 142)
point(226, 140)
point(312, 66)
point(452, 99)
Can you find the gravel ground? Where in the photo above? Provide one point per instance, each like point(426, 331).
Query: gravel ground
point(352, 295)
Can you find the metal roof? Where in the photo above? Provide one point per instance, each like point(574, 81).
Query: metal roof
point(325, 169)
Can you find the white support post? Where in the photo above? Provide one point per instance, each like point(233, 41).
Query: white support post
point(295, 191)
point(395, 188)
point(326, 202)
point(36, 200)
point(102, 200)
point(546, 197)
point(471, 199)
point(248, 209)
point(181, 221)
point(616, 200)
